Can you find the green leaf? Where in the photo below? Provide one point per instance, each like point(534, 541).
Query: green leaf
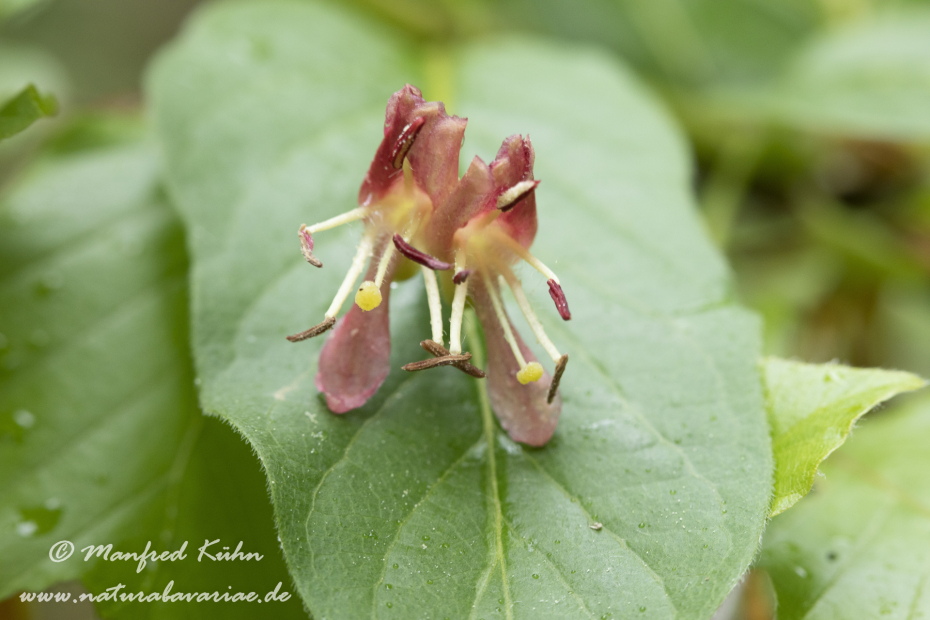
point(17, 113)
point(101, 440)
point(8, 8)
point(812, 409)
point(417, 504)
point(857, 547)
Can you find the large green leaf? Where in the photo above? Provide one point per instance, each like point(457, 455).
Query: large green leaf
point(859, 545)
point(812, 408)
point(417, 505)
point(101, 440)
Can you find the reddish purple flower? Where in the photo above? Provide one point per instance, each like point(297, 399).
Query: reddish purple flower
point(417, 210)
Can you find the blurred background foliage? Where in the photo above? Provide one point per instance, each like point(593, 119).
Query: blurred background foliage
point(809, 121)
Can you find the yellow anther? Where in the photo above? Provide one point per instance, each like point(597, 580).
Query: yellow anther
point(529, 373)
point(368, 296)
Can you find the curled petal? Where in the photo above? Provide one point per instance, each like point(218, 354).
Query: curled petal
point(523, 410)
point(434, 156)
point(421, 258)
point(381, 174)
point(474, 195)
point(513, 164)
point(354, 360)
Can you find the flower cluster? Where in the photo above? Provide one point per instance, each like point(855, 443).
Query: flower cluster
point(417, 211)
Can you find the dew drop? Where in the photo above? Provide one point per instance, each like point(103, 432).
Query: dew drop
point(705, 546)
point(389, 605)
point(672, 492)
point(642, 524)
point(426, 538)
point(429, 582)
point(643, 608)
point(558, 542)
point(396, 566)
point(500, 601)
point(535, 576)
point(388, 586)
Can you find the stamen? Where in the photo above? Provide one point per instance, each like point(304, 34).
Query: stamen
point(461, 276)
point(458, 305)
point(561, 304)
point(347, 217)
point(405, 141)
point(446, 360)
point(530, 315)
point(523, 253)
point(384, 264)
point(557, 378)
point(316, 330)
point(358, 264)
point(505, 324)
point(435, 305)
point(439, 351)
point(421, 258)
point(511, 196)
point(306, 246)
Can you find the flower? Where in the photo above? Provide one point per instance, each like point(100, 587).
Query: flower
point(414, 205)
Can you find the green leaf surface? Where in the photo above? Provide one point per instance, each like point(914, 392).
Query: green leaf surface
point(417, 505)
point(101, 440)
point(859, 545)
point(812, 409)
point(22, 110)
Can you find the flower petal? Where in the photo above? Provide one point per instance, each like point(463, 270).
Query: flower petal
point(434, 156)
point(514, 163)
point(474, 194)
point(354, 361)
point(381, 174)
point(521, 409)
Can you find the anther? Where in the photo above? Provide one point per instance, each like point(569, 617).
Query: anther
point(421, 258)
point(461, 276)
point(440, 351)
point(446, 360)
point(306, 246)
point(561, 304)
point(557, 378)
point(405, 142)
point(316, 330)
point(509, 198)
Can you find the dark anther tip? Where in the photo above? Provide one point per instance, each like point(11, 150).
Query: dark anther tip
point(557, 378)
point(461, 276)
point(421, 258)
point(561, 304)
point(316, 330)
point(405, 142)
